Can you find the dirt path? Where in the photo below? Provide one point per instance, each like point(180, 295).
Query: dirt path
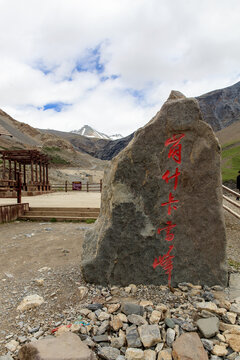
point(52, 252)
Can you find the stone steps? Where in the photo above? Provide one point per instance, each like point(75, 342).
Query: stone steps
point(60, 214)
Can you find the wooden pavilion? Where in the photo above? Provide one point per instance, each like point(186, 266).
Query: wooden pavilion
point(33, 166)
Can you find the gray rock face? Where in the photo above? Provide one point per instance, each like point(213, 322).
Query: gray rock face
point(221, 107)
point(132, 336)
point(208, 327)
point(139, 237)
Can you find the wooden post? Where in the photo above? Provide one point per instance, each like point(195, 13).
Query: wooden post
point(47, 174)
point(43, 176)
point(100, 185)
point(31, 172)
point(15, 170)
point(66, 184)
point(4, 167)
point(24, 176)
point(36, 173)
point(40, 173)
point(19, 187)
point(9, 169)
point(87, 187)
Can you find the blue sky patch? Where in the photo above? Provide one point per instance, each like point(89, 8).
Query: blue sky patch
point(57, 106)
point(91, 61)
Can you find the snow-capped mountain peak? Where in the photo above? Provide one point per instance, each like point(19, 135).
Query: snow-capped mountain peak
point(88, 131)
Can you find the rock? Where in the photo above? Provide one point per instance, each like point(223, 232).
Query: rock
point(62, 330)
point(12, 345)
point(159, 347)
point(149, 335)
point(170, 336)
point(101, 338)
point(208, 327)
point(187, 326)
point(155, 317)
point(117, 342)
point(139, 189)
point(83, 291)
point(113, 308)
point(208, 306)
point(131, 308)
point(189, 346)
point(94, 307)
point(122, 317)
point(231, 317)
point(219, 350)
point(234, 341)
point(30, 302)
point(103, 316)
point(108, 352)
point(164, 355)
point(145, 303)
point(65, 347)
point(137, 319)
point(132, 336)
point(235, 308)
point(231, 328)
point(103, 327)
point(149, 354)
point(170, 323)
point(134, 354)
point(39, 282)
point(208, 344)
point(116, 323)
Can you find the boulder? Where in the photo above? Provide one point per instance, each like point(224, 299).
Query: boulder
point(189, 346)
point(161, 205)
point(68, 346)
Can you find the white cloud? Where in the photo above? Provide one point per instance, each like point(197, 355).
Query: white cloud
point(152, 45)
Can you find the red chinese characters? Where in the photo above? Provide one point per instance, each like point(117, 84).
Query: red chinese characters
point(175, 152)
point(169, 235)
point(166, 177)
point(171, 200)
point(166, 263)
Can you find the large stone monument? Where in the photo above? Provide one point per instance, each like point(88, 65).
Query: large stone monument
point(161, 218)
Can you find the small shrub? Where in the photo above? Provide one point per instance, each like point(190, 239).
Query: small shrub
point(90, 221)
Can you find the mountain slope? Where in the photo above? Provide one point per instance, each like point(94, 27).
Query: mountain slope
point(60, 151)
point(221, 108)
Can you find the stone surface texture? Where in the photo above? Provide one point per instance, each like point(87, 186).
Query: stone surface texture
point(123, 244)
point(208, 327)
point(68, 346)
point(189, 347)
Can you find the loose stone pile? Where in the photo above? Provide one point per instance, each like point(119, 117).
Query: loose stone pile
point(140, 322)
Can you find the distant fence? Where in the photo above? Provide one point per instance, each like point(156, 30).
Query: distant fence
point(77, 186)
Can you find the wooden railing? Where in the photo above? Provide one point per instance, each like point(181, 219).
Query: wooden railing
point(234, 213)
point(67, 186)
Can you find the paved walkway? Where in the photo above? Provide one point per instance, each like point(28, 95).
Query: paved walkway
point(60, 199)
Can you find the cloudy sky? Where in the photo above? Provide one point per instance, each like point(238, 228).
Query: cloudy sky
point(112, 63)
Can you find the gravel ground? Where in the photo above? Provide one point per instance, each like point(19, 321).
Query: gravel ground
point(30, 251)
